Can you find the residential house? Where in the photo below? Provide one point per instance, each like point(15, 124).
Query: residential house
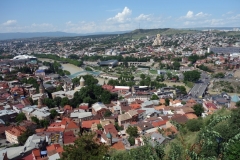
point(13, 133)
point(175, 103)
point(130, 116)
point(143, 126)
point(68, 138)
point(99, 108)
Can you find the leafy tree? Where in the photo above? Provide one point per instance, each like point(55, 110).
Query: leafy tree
point(176, 151)
point(132, 131)
point(20, 117)
point(53, 113)
point(198, 109)
point(233, 151)
point(58, 100)
point(176, 65)
point(131, 140)
point(64, 101)
point(194, 124)
point(107, 113)
point(49, 102)
point(142, 76)
point(35, 119)
point(169, 75)
point(85, 148)
point(191, 76)
point(23, 137)
point(167, 102)
point(99, 126)
point(149, 151)
point(44, 123)
point(154, 97)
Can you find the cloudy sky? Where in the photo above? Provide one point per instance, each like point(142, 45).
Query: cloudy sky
point(87, 16)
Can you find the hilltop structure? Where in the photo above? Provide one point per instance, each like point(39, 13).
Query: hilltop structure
point(157, 41)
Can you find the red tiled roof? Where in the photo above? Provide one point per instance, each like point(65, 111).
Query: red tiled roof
point(69, 137)
point(159, 123)
point(88, 124)
point(36, 153)
point(72, 125)
point(111, 128)
point(55, 147)
point(118, 146)
point(16, 130)
point(211, 105)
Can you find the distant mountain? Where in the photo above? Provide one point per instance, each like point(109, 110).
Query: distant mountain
point(18, 35)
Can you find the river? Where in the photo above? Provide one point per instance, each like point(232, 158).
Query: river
point(73, 69)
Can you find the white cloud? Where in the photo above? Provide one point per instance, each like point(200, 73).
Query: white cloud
point(121, 17)
point(143, 17)
point(189, 14)
point(42, 25)
point(10, 23)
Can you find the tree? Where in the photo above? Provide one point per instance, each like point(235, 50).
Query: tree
point(49, 102)
point(64, 101)
point(154, 97)
point(58, 100)
point(85, 148)
point(53, 113)
point(20, 117)
point(35, 119)
point(233, 151)
point(169, 75)
point(194, 124)
point(198, 109)
point(142, 76)
point(176, 152)
point(131, 140)
point(167, 102)
point(132, 131)
point(23, 137)
point(191, 76)
point(107, 113)
point(176, 65)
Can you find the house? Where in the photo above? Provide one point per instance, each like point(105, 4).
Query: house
point(181, 119)
point(13, 133)
point(72, 126)
point(110, 128)
point(54, 149)
point(68, 138)
point(143, 126)
point(8, 115)
point(153, 139)
point(89, 125)
point(175, 103)
point(85, 107)
point(99, 108)
point(130, 116)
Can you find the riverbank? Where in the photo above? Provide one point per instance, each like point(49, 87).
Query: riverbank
point(68, 67)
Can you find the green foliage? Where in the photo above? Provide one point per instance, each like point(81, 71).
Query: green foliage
point(22, 138)
point(58, 100)
point(131, 140)
point(20, 117)
point(119, 128)
point(219, 75)
point(99, 126)
point(149, 151)
point(176, 152)
point(194, 124)
point(49, 102)
point(154, 97)
point(53, 113)
point(88, 69)
point(107, 113)
point(191, 76)
point(132, 131)
point(198, 109)
point(32, 81)
point(85, 148)
point(64, 101)
point(57, 58)
point(204, 68)
point(167, 102)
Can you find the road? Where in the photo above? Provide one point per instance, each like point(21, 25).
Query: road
point(200, 87)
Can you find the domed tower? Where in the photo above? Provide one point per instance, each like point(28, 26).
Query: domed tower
point(40, 102)
point(82, 82)
point(109, 138)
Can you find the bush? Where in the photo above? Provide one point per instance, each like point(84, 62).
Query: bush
point(131, 140)
point(194, 125)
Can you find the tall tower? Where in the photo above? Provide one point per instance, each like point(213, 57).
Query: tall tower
point(41, 88)
point(109, 139)
point(40, 102)
point(82, 82)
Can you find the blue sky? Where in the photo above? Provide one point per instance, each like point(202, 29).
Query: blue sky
point(87, 16)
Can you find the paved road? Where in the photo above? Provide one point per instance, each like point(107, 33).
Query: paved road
point(200, 87)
